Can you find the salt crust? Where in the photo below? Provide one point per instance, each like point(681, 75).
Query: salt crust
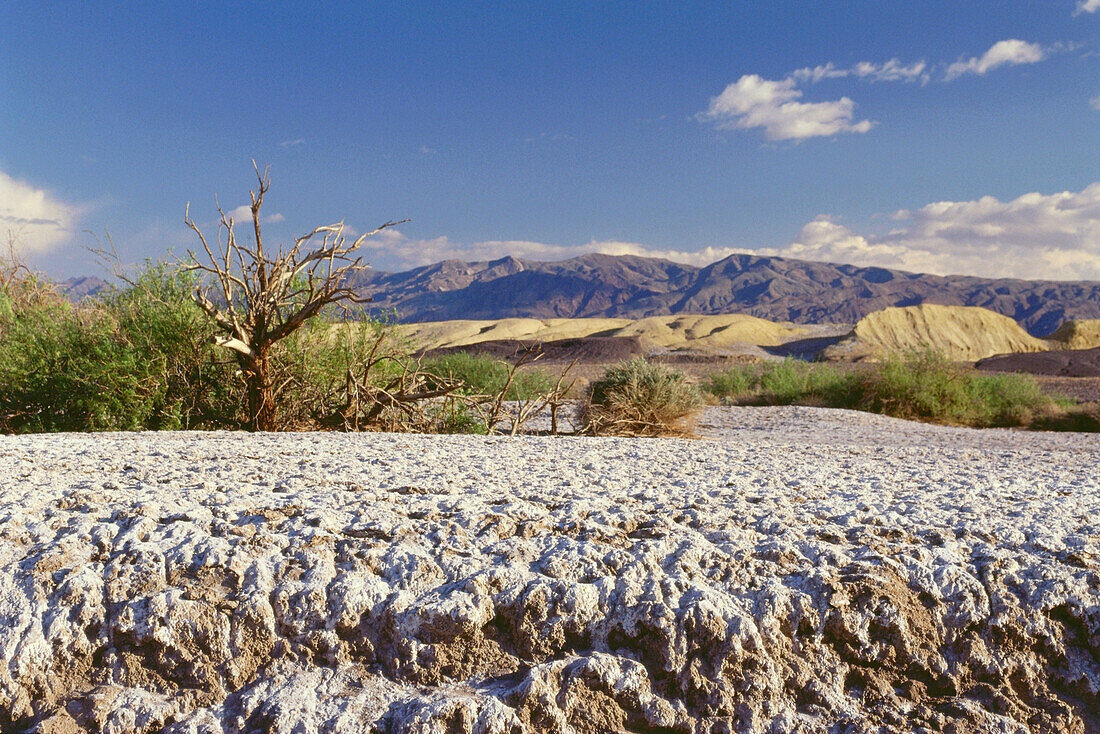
point(794, 570)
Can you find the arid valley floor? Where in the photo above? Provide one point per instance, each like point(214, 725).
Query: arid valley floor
point(792, 570)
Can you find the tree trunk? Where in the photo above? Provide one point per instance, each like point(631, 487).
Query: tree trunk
point(261, 401)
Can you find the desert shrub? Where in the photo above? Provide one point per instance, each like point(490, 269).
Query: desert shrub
point(921, 385)
point(733, 384)
point(131, 359)
point(36, 328)
point(452, 416)
point(792, 381)
point(486, 376)
point(361, 375)
point(191, 384)
point(784, 383)
point(926, 385)
point(1007, 400)
point(640, 398)
point(67, 368)
point(1083, 418)
point(309, 369)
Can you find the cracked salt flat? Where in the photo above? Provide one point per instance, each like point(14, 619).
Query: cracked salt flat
point(796, 569)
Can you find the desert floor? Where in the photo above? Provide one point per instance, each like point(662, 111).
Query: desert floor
point(793, 570)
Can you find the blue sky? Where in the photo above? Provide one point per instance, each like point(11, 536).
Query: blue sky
point(936, 136)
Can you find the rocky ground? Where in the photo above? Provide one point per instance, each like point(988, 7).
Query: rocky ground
point(796, 570)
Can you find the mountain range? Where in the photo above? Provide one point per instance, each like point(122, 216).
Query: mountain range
point(774, 288)
point(628, 286)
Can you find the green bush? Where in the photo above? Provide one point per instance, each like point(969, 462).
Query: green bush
point(192, 379)
point(733, 384)
point(921, 385)
point(69, 369)
point(926, 385)
point(486, 376)
point(309, 368)
point(1009, 400)
point(454, 417)
point(136, 358)
point(640, 398)
point(791, 382)
point(784, 383)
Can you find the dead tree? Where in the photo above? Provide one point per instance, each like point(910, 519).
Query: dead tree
point(261, 298)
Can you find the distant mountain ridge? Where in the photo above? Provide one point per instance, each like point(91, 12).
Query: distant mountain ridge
point(80, 287)
point(774, 288)
point(628, 286)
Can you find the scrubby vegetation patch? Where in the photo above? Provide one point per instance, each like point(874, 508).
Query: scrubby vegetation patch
point(640, 398)
point(919, 384)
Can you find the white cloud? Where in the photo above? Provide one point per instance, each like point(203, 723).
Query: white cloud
point(752, 102)
point(776, 106)
point(890, 71)
point(1087, 6)
point(38, 220)
point(392, 250)
point(1095, 103)
point(819, 73)
point(243, 214)
point(1003, 53)
point(1054, 236)
point(553, 137)
point(292, 143)
point(699, 258)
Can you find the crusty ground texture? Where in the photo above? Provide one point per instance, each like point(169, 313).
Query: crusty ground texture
point(795, 570)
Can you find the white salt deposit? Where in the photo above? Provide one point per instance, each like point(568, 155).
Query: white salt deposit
point(794, 570)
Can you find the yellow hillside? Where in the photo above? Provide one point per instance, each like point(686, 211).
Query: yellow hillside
point(439, 334)
point(710, 332)
point(1079, 334)
point(963, 333)
point(670, 332)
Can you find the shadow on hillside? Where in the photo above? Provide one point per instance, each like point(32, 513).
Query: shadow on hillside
point(805, 349)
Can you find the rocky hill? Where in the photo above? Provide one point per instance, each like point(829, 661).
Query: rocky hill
point(778, 289)
point(84, 286)
point(963, 333)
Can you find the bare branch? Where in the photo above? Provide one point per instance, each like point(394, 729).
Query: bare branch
point(263, 298)
point(235, 344)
